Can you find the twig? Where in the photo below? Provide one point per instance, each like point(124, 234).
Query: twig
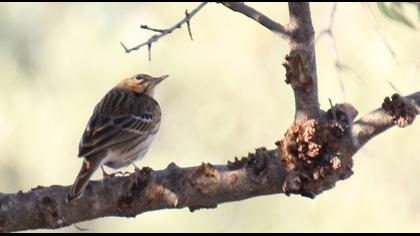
point(163, 32)
point(393, 86)
point(187, 15)
point(258, 17)
point(152, 29)
point(331, 107)
point(337, 62)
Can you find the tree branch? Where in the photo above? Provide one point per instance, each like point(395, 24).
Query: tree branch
point(301, 62)
point(401, 113)
point(282, 170)
point(163, 32)
point(315, 153)
point(258, 17)
point(204, 186)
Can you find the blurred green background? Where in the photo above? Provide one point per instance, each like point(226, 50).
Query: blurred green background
point(225, 97)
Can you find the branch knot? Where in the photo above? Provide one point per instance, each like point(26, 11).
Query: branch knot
point(403, 113)
point(205, 179)
point(296, 73)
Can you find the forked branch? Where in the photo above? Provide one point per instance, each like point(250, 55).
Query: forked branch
point(261, 173)
point(314, 154)
point(163, 32)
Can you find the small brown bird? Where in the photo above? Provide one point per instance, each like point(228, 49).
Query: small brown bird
point(120, 130)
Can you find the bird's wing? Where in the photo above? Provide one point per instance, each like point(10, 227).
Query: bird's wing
point(105, 129)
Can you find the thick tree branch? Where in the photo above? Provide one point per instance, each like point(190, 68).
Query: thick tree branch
point(258, 17)
point(312, 164)
point(163, 32)
point(205, 186)
point(315, 153)
point(301, 63)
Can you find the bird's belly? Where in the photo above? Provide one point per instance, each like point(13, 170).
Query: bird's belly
point(117, 158)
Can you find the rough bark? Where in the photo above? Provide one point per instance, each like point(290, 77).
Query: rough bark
point(301, 62)
point(314, 154)
point(261, 173)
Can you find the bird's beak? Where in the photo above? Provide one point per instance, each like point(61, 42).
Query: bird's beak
point(160, 79)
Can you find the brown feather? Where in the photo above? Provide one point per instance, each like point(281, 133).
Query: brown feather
point(121, 128)
point(108, 124)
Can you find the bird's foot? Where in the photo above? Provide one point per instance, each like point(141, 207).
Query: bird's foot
point(137, 171)
point(106, 175)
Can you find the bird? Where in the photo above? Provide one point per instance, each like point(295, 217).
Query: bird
point(120, 130)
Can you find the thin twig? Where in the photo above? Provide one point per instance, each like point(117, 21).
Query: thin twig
point(337, 62)
point(331, 107)
point(393, 87)
point(152, 29)
point(328, 30)
point(187, 15)
point(125, 48)
point(163, 32)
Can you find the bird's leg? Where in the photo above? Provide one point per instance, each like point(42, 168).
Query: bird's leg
point(136, 168)
point(136, 172)
point(104, 174)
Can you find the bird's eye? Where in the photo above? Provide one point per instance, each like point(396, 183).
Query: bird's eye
point(139, 77)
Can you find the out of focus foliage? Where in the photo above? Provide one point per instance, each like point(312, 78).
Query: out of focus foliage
point(401, 12)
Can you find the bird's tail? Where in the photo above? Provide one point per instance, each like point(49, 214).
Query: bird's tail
point(89, 166)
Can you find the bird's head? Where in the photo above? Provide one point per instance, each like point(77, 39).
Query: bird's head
point(141, 83)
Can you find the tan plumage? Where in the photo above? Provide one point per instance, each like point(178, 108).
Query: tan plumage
point(120, 130)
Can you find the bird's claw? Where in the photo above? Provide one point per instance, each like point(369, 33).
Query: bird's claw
point(106, 175)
